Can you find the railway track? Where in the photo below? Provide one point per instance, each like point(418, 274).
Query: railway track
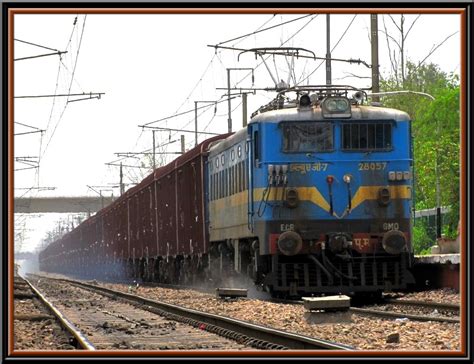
point(427, 304)
point(37, 324)
point(413, 310)
point(431, 311)
point(118, 320)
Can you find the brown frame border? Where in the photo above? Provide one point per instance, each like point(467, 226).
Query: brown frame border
point(195, 11)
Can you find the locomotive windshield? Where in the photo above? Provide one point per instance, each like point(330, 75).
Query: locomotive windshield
point(367, 136)
point(307, 137)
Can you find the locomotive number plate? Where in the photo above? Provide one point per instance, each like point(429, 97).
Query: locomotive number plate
point(372, 166)
point(304, 168)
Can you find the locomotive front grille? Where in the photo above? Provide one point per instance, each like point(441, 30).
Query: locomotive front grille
point(383, 273)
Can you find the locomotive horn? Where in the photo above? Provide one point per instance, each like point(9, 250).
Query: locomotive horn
point(358, 97)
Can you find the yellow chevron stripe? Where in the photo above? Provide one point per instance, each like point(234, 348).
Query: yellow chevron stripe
point(372, 193)
point(311, 194)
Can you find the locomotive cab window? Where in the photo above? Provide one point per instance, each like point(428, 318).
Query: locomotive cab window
point(307, 137)
point(367, 136)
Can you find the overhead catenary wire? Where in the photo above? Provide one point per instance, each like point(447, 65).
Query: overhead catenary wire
point(263, 30)
point(26, 125)
point(282, 44)
point(333, 48)
point(34, 44)
point(216, 55)
point(180, 114)
point(70, 84)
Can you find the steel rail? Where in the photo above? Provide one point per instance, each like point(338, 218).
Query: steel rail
point(261, 333)
point(73, 330)
point(401, 315)
point(443, 306)
point(393, 314)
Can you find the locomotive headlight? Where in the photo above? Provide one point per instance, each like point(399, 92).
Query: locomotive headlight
point(391, 176)
point(331, 105)
point(336, 107)
point(399, 176)
point(342, 104)
point(406, 175)
point(347, 178)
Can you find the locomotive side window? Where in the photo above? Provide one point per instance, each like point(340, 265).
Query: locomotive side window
point(214, 186)
point(307, 137)
point(237, 177)
point(367, 136)
point(256, 148)
point(219, 183)
point(232, 180)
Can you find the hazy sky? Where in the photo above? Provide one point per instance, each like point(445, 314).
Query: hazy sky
point(154, 66)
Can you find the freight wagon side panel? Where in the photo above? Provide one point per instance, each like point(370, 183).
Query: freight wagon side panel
point(147, 221)
point(108, 234)
point(122, 231)
point(89, 242)
point(81, 252)
point(115, 234)
point(166, 214)
point(71, 249)
point(190, 220)
point(136, 249)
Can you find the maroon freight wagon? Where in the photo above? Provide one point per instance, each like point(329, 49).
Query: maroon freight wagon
point(152, 231)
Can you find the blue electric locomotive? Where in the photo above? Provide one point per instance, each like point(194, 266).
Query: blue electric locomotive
point(330, 183)
point(313, 196)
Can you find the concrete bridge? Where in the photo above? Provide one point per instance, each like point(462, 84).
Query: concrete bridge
point(26, 205)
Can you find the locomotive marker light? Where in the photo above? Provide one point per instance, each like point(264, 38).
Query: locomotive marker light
point(399, 175)
point(384, 196)
point(394, 242)
point(336, 107)
point(290, 243)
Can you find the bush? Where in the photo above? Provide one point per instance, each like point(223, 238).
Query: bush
point(422, 242)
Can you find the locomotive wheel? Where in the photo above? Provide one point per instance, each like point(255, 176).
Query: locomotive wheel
point(151, 270)
point(142, 269)
point(129, 269)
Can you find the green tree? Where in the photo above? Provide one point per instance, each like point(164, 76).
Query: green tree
point(436, 138)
